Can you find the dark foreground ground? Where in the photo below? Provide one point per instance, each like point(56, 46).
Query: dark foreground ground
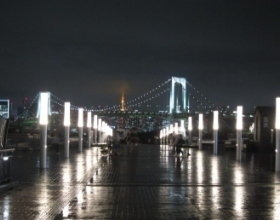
point(150, 183)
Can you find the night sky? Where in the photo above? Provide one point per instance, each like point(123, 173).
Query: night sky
point(86, 52)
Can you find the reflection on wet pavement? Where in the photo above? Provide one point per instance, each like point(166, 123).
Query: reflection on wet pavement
point(151, 183)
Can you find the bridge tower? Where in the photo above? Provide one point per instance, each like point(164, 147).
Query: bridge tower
point(178, 95)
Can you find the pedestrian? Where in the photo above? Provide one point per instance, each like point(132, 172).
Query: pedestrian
point(179, 143)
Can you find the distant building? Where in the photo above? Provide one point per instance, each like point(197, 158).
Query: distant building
point(264, 133)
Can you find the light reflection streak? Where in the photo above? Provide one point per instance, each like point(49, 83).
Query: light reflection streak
point(276, 201)
point(65, 211)
point(6, 207)
point(200, 169)
point(66, 177)
point(215, 178)
point(214, 171)
point(43, 196)
point(79, 168)
point(239, 191)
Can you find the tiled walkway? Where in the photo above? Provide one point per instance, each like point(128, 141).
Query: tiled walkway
point(151, 183)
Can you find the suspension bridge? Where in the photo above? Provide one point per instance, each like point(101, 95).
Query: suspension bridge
point(174, 96)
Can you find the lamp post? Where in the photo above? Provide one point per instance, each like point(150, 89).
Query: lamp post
point(176, 128)
point(66, 128)
point(43, 121)
point(215, 131)
point(239, 127)
point(200, 129)
point(99, 127)
point(89, 128)
point(182, 127)
point(277, 133)
point(95, 128)
point(80, 126)
point(190, 127)
point(166, 135)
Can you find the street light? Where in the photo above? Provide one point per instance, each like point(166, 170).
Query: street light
point(190, 128)
point(277, 133)
point(200, 129)
point(215, 131)
point(89, 127)
point(43, 121)
point(66, 128)
point(95, 128)
point(239, 127)
point(80, 126)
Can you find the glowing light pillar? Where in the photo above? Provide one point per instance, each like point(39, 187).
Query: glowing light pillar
point(171, 129)
point(95, 128)
point(161, 136)
point(43, 121)
point(239, 127)
point(190, 127)
point(176, 129)
point(277, 133)
point(66, 128)
point(166, 135)
point(215, 131)
point(89, 128)
point(182, 127)
point(80, 126)
point(99, 130)
point(200, 129)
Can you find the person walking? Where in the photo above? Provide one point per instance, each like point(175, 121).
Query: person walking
point(179, 143)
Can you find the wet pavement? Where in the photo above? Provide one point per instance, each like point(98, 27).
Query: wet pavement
point(150, 183)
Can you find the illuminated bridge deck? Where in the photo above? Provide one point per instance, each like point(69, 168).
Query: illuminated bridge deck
point(148, 184)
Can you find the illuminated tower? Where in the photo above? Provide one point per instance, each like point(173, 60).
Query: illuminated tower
point(178, 98)
point(122, 102)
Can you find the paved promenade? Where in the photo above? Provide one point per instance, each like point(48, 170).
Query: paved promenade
point(150, 183)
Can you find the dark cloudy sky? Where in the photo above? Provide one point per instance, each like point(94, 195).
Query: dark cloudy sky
point(85, 51)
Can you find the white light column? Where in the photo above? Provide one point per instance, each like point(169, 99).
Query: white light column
point(66, 128)
point(99, 127)
point(95, 128)
point(182, 127)
point(200, 129)
point(89, 128)
point(80, 126)
point(277, 133)
point(161, 136)
point(190, 127)
point(176, 130)
point(172, 134)
point(239, 127)
point(43, 121)
point(215, 131)
point(164, 136)
point(167, 134)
